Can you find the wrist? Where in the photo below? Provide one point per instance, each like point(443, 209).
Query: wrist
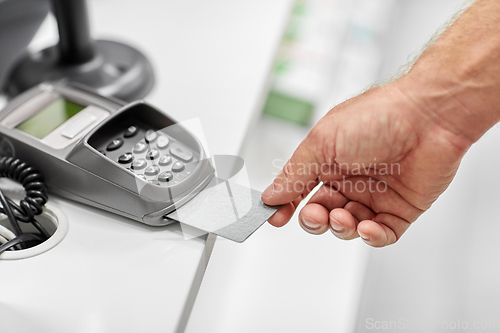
point(456, 81)
point(453, 99)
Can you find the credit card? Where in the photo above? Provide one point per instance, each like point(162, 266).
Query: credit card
point(225, 208)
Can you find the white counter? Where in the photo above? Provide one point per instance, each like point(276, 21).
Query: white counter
point(211, 60)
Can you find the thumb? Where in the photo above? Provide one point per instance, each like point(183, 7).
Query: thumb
point(297, 176)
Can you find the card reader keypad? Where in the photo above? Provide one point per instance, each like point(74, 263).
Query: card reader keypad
point(131, 131)
point(178, 166)
point(152, 156)
point(126, 158)
point(140, 147)
point(165, 160)
point(181, 153)
point(162, 141)
point(115, 144)
point(166, 176)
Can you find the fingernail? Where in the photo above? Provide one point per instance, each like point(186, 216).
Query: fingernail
point(336, 226)
point(268, 192)
point(310, 224)
point(364, 236)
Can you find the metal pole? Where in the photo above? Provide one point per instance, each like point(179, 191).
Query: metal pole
point(75, 42)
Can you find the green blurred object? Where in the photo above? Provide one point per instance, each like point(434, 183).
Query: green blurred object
point(281, 66)
point(300, 8)
point(292, 32)
point(286, 99)
point(289, 108)
point(295, 25)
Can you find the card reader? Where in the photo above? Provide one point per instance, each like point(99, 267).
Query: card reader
point(129, 159)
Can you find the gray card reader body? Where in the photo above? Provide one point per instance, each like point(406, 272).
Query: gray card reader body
point(132, 159)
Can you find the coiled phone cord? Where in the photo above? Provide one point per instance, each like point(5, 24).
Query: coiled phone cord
point(32, 204)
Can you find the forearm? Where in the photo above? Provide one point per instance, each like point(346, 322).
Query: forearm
point(456, 81)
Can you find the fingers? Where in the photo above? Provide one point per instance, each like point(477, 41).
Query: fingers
point(360, 211)
point(343, 224)
point(282, 216)
point(298, 176)
point(285, 213)
point(378, 196)
point(313, 218)
point(383, 230)
point(376, 234)
point(329, 197)
point(329, 209)
point(380, 231)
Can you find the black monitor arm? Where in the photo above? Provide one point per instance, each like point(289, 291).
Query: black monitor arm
point(111, 68)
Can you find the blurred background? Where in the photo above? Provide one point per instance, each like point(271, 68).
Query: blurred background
point(442, 275)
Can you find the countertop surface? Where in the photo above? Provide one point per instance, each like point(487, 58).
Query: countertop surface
point(109, 274)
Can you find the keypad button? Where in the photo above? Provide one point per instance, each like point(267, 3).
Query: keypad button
point(142, 177)
point(131, 131)
point(140, 147)
point(115, 144)
point(162, 142)
point(166, 176)
point(150, 136)
point(153, 154)
point(178, 166)
point(125, 158)
point(165, 160)
point(152, 170)
point(139, 164)
point(181, 153)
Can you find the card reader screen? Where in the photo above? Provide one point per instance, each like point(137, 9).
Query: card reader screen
point(50, 117)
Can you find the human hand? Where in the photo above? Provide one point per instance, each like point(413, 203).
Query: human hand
point(384, 157)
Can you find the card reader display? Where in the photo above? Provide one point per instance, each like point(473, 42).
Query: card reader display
point(50, 117)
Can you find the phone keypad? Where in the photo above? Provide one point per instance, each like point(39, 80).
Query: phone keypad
point(131, 131)
point(165, 160)
point(152, 170)
point(126, 158)
point(139, 164)
point(150, 136)
point(140, 147)
point(178, 166)
point(115, 144)
point(162, 142)
point(181, 153)
point(152, 156)
point(166, 176)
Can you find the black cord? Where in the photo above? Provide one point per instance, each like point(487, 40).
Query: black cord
point(24, 238)
point(35, 223)
point(31, 205)
point(7, 211)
